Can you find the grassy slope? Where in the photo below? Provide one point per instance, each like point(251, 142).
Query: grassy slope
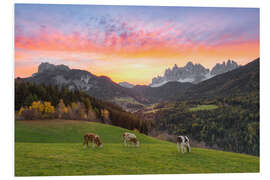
point(55, 148)
point(203, 107)
point(127, 100)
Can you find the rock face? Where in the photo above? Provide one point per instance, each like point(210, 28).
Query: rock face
point(224, 67)
point(43, 67)
point(193, 73)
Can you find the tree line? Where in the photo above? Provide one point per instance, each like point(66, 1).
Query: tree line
point(34, 101)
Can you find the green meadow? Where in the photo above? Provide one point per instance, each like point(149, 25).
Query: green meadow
point(203, 107)
point(54, 148)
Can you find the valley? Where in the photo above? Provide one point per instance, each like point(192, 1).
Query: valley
point(130, 97)
point(176, 107)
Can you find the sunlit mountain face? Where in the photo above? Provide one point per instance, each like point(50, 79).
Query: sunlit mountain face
point(132, 43)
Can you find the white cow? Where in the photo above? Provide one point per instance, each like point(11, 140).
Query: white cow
point(184, 142)
point(129, 137)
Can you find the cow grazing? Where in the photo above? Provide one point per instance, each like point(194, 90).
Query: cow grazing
point(184, 142)
point(93, 138)
point(130, 138)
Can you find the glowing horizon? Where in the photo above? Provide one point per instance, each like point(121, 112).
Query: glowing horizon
point(132, 43)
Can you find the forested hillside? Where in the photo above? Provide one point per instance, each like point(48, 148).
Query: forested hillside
point(232, 126)
point(222, 112)
point(34, 101)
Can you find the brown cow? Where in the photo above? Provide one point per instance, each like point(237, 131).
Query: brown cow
point(129, 137)
point(93, 138)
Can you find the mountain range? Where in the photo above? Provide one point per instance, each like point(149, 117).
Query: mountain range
point(132, 98)
point(240, 81)
point(193, 73)
point(102, 87)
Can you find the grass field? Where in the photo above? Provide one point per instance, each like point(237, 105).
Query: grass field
point(54, 147)
point(203, 107)
point(127, 100)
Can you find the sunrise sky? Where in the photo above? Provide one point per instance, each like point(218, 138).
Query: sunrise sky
point(132, 43)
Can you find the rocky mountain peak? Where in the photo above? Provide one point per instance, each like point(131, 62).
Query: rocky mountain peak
point(224, 67)
point(189, 65)
point(175, 66)
point(45, 66)
point(193, 73)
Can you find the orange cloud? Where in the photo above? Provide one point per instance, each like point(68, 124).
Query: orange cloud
point(114, 54)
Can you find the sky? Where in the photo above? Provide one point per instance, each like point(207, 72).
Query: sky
point(132, 43)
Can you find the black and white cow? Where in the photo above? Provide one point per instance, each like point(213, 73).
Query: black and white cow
point(184, 142)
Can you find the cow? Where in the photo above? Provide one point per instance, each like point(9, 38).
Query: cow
point(130, 138)
point(93, 138)
point(184, 142)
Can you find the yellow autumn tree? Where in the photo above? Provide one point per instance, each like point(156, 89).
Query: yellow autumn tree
point(37, 105)
point(48, 108)
point(39, 110)
point(19, 114)
point(20, 111)
point(35, 110)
